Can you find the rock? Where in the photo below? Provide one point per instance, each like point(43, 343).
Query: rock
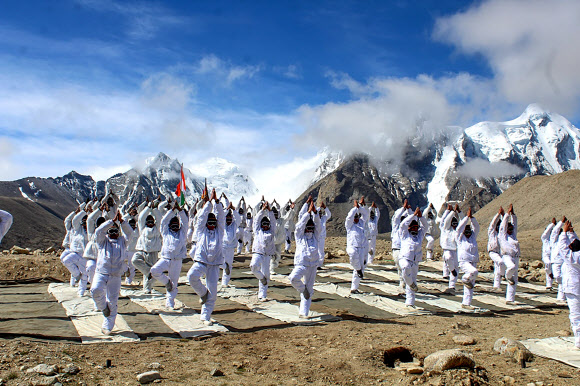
point(37, 252)
point(449, 359)
point(537, 264)
point(512, 349)
point(509, 380)
point(148, 377)
point(44, 381)
point(16, 250)
point(43, 369)
point(340, 252)
point(523, 264)
point(155, 366)
point(565, 374)
point(72, 369)
point(464, 340)
point(563, 333)
point(415, 370)
point(216, 373)
point(50, 250)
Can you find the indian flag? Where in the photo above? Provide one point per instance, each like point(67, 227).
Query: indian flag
point(180, 191)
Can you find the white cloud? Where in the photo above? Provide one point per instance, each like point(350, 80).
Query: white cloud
point(531, 45)
point(224, 70)
point(480, 168)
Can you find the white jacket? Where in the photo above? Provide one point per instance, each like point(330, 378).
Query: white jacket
point(307, 243)
point(91, 251)
point(571, 264)
point(448, 234)
point(289, 221)
point(411, 246)
point(492, 242)
point(546, 245)
point(395, 224)
point(174, 243)
point(373, 225)
point(5, 223)
point(467, 247)
point(509, 244)
point(555, 252)
point(326, 215)
point(112, 258)
point(432, 226)
point(264, 241)
point(208, 247)
point(78, 235)
point(355, 233)
point(67, 227)
point(230, 240)
point(149, 238)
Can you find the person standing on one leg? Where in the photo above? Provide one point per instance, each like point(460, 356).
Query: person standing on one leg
point(66, 243)
point(241, 209)
point(263, 248)
point(468, 256)
point(230, 241)
point(449, 223)
point(557, 259)
point(148, 245)
point(399, 215)
point(356, 243)
point(546, 252)
point(279, 238)
point(208, 256)
point(373, 231)
point(111, 263)
point(306, 257)
point(325, 215)
point(289, 224)
point(412, 232)
point(432, 230)
point(78, 241)
point(494, 250)
point(570, 246)
point(131, 219)
point(510, 248)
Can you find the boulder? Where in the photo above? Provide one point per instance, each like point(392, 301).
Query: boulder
point(148, 377)
point(512, 349)
point(448, 359)
point(537, 264)
point(16, 250)
point(43, 369)
point(464, 340)
point(50, 250)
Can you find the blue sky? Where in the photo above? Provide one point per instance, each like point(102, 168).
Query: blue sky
point(99, 85)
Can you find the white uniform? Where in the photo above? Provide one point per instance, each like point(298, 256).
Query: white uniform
point(279, 240)
point(289, 227)
point(229, 243)
point(449, 245)
point(66, 245)
point(5, 223)
point(495, 251)
point(91, 252)
point(411, 254)
point(173, 251)
point(468, 256)
point(396, 240)
point(326, 215)
point(111, 263)
point(432, 231)
point(74, 261)
point(207, 257)
point(131, 245)
point(510, 249)
point(241, 225)
point(373, 231)
point(557, 260)
point(546, 255)
point(148, 246)
point(356, 244)
point(263, 248)
point(306, 260)
point(571, 282)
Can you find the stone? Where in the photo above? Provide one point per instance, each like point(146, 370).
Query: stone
point(340, 252)
point(565, 374)
point(216, 373)
point(415, 370)
point(155, 366)
point(507, 380)
point(72, 369)
point(50, 250)
point(148, 377)
point(449, 359)
point(16, 250)
point(512, 349)
point(43, 369)
point(563, 333)
point(464, 340)
point(37, 252)
point(537, 264)
point(44, 381)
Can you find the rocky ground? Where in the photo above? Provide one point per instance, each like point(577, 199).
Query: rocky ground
point(347, 352)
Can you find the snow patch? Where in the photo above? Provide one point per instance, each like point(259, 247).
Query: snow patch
point(24, 194)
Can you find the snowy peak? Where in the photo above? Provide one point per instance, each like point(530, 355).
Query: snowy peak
point(226, 177)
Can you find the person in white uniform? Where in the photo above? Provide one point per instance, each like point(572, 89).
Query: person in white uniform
point(306, 258)
point(356, 244)
point(230, 240)
point(66, 243)
point(148, 245)
point(279, 238)
point(208, 256)
point(173, 229)
point(448, 226)
point(412, 231)
point(373, 231)
point(263, 248)
point(557, 259)
point(570, 246)
point(6, 220)
point(468, 256)
point(510, 249)
point(399, 215)
point(432, 230)
point(494, 250)
point(289, 224)
point(74, 261)
point(325, 215)
point(546, 254)
point(111, 263)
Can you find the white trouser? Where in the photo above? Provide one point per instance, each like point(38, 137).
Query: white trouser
point(212, 273)
point(130, 268)
point(430, 246)
point(396, 253)
point(357, 260)
point(289, 237)
point(105, 290)
point(72, 261)
point(511, 271)
point(229, 260)
point(309, 275)
point(321, 249)
point(240, 243)
point(143, 261)
point(87, 274)
point(173, 269)
point(574, 306)
point(372, 249)
point(452, 264)
point(409, 270)
point(498, 268)
point(260, 266)
point(63, 256)
point(275, 261)
point(557, 271)
point(549, 275)
point(248, 241)
point(469, 275)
